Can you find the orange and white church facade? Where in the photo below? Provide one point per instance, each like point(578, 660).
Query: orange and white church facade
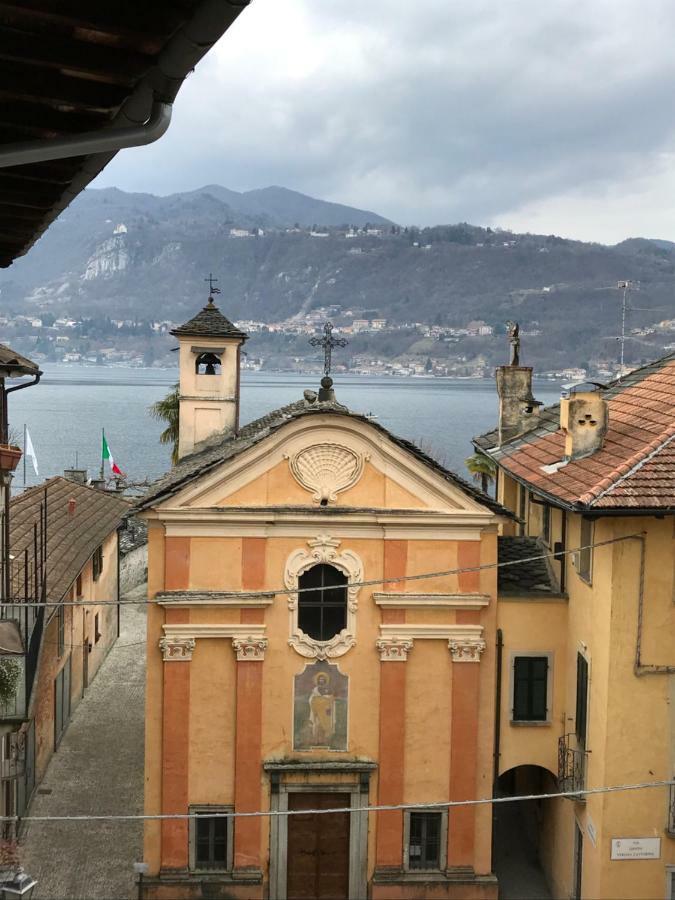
point(296, 664)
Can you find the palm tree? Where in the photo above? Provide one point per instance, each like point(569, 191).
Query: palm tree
point(483, 469)
point(166, 410)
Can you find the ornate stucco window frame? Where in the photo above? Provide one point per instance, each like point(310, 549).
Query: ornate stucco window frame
point(323, 549)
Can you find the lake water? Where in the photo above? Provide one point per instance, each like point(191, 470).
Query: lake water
point(66, 411)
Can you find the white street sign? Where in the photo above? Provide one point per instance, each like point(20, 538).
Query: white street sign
point(636, 848)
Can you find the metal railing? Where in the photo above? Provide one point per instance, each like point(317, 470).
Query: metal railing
point(571, 764)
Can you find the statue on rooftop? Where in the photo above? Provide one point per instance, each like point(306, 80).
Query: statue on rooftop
point(514, 338)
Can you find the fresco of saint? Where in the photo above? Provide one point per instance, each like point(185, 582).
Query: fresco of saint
point(320, 708)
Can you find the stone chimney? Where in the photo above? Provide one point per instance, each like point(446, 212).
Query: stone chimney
point(584, 417)
point(209, 348)
point(518, 410)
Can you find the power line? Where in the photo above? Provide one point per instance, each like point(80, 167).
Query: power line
point(269, 592)
point(274, 813)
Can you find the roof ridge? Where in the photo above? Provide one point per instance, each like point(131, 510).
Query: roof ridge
point(625, 469)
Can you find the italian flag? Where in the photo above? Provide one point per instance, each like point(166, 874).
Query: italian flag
point(106, 454)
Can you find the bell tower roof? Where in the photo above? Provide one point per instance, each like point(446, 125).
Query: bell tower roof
point(209, 322)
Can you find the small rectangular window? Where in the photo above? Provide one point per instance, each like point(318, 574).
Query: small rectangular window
point(211, 838)
point(78, 586)
point(530, 688)
point(97, 563)
point(97, 630)
point(426, 836)
point(585, 564)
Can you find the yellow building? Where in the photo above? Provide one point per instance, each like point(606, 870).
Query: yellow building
point(586, 652)
point(294, 661)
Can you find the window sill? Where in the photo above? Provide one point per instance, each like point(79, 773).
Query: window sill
point(525, 723)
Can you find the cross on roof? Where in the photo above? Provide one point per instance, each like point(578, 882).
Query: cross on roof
point(327, 342)
point(211, 280)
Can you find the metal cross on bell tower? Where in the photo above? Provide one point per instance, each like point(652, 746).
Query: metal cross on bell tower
point(212, 289)
point(326, 394)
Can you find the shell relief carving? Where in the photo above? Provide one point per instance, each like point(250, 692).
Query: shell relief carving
point(326, 469)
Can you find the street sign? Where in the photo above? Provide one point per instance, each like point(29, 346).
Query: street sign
point(636, 848)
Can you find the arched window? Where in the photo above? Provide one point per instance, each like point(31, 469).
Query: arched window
point(207, 364)
point(322, 613)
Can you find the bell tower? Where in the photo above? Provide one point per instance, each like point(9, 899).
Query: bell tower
point(209, 349)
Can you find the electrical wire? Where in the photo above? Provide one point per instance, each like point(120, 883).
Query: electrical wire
point(270, 592)
point(275, 813)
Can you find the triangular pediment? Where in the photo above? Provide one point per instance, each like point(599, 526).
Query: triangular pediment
point(338, 462)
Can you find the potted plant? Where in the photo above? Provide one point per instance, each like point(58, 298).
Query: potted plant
point(10, 860)
point(10, 673)
point(10, 455)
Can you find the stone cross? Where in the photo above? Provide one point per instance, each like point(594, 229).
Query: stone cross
point(327, 342)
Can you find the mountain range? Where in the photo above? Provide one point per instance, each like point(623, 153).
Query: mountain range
point(279, 253)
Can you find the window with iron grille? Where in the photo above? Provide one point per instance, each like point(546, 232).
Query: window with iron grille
point(97, 563)
point(211, 838)
point(425, 840)
point(530, 688)
point(322, 602)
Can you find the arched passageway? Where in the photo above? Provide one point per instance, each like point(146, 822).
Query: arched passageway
point(519, 828)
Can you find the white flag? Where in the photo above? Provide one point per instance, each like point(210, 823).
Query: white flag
point(30, 452)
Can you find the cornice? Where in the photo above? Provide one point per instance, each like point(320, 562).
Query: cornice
point(432, 601)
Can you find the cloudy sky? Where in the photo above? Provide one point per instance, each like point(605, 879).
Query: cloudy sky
point(551, 116)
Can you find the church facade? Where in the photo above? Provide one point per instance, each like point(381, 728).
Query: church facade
point(296, 663)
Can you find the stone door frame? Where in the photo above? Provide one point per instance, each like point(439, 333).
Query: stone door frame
point(321, 783)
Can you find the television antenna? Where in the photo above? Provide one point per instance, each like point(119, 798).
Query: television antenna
point(626, 287)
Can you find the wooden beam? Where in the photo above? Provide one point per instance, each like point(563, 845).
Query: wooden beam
point(136, 21)
point(21, 82)
point(35, 117)
point(115, 66)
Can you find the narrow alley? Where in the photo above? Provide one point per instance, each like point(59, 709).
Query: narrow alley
point(98, 769)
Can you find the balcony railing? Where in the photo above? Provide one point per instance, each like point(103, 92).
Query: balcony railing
point(571, 764)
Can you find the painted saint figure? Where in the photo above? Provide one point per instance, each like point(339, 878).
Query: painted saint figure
point(322, 711)
point(320, 707)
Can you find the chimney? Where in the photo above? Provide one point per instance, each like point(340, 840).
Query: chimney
point(584, 417)
point(77, 475)
point(518, 410)
point(72, 503)
point(209, 354)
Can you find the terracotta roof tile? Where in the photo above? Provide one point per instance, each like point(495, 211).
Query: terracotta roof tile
point(73, 533)
point(634, 469)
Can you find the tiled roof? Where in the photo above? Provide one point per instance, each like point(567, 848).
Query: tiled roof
point(225, 447)
point(209, 322)
point(635, 468)
point(532, 576)
point(15, 362)
point(73, 537)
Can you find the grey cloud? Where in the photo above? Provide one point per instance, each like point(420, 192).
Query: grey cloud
point(425, 112)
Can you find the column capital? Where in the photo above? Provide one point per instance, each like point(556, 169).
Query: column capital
point(250, 648)
point(394, 649)
point(177, 649)
point(466, 649)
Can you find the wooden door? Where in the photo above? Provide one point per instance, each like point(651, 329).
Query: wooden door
point(318, 848)
point(578, 861)
point(85, 665)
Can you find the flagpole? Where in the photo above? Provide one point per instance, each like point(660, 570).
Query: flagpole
point(24, 454)
point(102, 439)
